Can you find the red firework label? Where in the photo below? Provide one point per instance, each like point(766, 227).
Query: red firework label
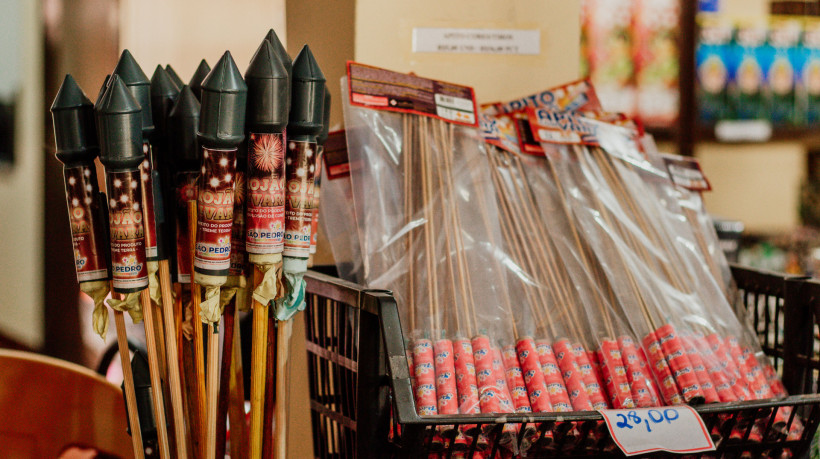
point(185, 187)
point(265, 222)
point(125, 219)
point(215, 212)
point(300, 168)
point(148, 204)
point(86, 233)
point(238, 255)
point(314, 203)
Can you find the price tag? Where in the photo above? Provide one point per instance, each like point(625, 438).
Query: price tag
point(676, 429)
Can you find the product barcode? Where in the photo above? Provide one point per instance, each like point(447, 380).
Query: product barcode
point(457, 103)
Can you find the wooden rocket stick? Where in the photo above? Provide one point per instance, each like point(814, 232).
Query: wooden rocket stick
point(213, 389)
point(224, 376)
point(270, 389)
point(199, 351)
point(283, 332)
point(258, 357)
point(156, 380)
point(128, 382)
point(172, 354)
point(236, 404)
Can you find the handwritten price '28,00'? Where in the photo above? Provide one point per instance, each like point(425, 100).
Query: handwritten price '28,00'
point(626, 421)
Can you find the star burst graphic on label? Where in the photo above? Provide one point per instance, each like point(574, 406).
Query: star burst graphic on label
point(267, 153)
point(239, 188)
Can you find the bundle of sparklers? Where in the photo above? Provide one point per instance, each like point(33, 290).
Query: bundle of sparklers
point(548, 262)
point(209, 210)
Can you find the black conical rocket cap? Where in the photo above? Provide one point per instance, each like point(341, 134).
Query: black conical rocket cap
point(120, 125)
point(322, 137)
point(102, 89)
point(307, 97)
point(140, 86)
point(201, 72)
point(183, 122)
point(163, 94)
point(75, 133)
point(224, 96)
point(280, 52)
point(268, 91)
point(174, 77)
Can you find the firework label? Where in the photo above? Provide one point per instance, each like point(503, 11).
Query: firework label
point(86, 232)
point(215, 212)
point(125, 219)
point(238, 254)
point(265, 222)
point(300, 167)
point(185, 186)
point(148, 204)
point(314, 203)
point(678, 429)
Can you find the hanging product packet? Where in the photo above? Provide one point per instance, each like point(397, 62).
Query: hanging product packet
point(548, 327)
point(425, 215)
point(616, 191)
point(338, 221)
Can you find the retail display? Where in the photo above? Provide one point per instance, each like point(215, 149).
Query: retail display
point(576, 282)
point(179, 198)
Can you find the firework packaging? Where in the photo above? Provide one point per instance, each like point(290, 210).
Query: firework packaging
point(338, 222)
point(317, 180)
point(419, 239)
point(221, 131)
point(183, 121)
point(76, 141)
point(120, 133)
point(304, 125)
point(266, 119)
point(140, 87)
point(264, 234)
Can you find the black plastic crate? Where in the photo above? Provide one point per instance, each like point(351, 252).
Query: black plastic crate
point(362, 401)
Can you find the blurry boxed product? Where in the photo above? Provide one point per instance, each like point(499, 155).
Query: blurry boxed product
point(609, 46)
point(713, 61)
point(784, 41)
point(748, 87)
point(809, 74)
point(656, 25)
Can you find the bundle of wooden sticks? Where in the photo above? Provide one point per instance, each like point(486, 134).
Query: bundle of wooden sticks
point(546, 267)
point(209, 210)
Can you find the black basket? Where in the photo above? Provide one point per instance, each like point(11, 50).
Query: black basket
point(362, 402)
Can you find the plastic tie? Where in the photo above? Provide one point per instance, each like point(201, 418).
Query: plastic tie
point(153, 282)
point(271, 285)
point(98, 290)
point(294, 285)
point(129, 304)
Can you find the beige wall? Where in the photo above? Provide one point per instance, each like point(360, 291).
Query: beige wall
point(182, 32)
point(21, 212)
point(384, 38)
point(758, 184)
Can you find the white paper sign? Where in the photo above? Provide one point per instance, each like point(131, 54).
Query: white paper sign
point(676, 429)
point(476, 41)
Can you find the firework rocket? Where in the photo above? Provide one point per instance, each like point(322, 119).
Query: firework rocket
point(121, 154)
point(317, 182)
point(182, 125)
point(305, 123)
point(267, 117)
point(76, 138)
point(172, 74)
point(221, 131)
point(198, 78)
